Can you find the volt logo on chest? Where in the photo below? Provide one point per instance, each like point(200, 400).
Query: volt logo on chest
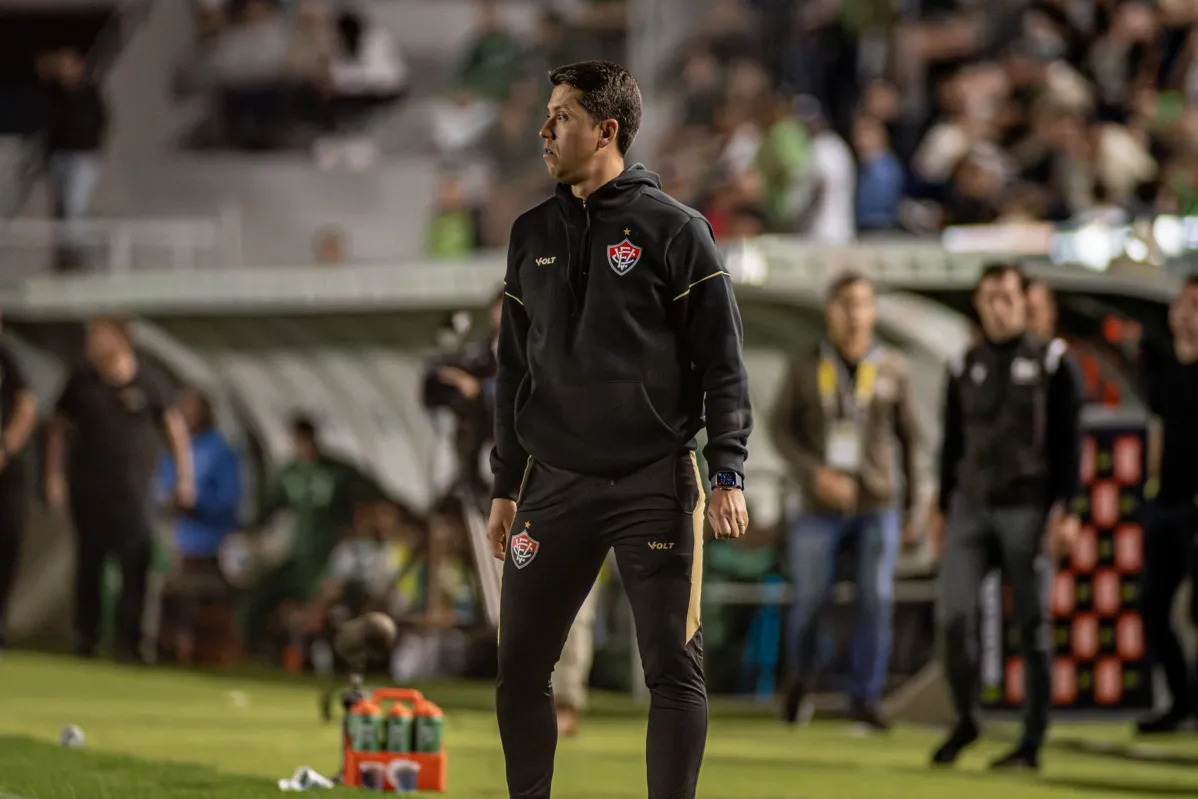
point(546, 261)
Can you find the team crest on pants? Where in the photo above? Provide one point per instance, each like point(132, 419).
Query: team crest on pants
point(623, 256)
point(524, 547)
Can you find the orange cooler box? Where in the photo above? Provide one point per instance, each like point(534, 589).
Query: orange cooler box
point(433, 767)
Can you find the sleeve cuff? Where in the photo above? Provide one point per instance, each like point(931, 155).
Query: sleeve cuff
point(507, 486)
point(722, 463)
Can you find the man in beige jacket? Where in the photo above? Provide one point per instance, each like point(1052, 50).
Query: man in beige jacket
point(844, 418)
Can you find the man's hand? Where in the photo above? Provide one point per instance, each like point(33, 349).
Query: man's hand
point(835, 489)
point(936, 527)
point(466, 384)
point(185, 495)
point(727, 513)
point(503, 513)
point(56, 490)
point(1061, 533)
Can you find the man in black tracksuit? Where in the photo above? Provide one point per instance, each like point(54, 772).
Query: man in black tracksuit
point(1170, 546)
point(1009, 482)
point(619, 332)
point(18, 415)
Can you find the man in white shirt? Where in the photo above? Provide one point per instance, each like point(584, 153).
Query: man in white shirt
point(826, 194)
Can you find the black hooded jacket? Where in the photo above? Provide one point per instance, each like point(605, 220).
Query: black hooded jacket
point(620, 329)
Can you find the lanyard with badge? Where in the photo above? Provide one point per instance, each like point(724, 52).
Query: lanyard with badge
point(846, 417)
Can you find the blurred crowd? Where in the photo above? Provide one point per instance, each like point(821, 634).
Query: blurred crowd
point(484, 130)
point(835, 118)
point(279, 74)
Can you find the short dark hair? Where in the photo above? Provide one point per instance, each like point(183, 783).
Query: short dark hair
point(606, 91)
point(996, 270)
point(303, 426)
point(844, 279)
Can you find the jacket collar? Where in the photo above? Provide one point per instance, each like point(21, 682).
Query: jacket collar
point(617, 192)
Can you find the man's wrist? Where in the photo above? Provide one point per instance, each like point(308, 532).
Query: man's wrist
point(727, 480)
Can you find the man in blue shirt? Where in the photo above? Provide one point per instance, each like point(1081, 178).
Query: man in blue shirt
point(198, 532)
point(880, 177)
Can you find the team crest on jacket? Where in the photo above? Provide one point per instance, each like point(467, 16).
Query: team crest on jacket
point(523, 547)
point(623, 256)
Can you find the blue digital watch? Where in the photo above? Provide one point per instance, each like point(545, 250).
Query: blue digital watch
point(727, 480)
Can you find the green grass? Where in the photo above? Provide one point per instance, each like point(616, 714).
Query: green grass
point(166, 734)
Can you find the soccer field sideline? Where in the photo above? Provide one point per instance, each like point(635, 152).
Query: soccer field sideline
point(174, 734)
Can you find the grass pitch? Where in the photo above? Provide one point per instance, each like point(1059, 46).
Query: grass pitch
point(168, 734)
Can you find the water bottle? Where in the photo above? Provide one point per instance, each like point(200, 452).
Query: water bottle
point(429, 727)
point(399, 729)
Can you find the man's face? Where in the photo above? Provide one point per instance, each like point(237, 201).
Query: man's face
point(70, 67)
point(1002, 306)
point(1183, 314)
point(105, 341)
point(191, 406)
point(571, 137)
point(1041, 311)
point(852, 312)
point(305, 448)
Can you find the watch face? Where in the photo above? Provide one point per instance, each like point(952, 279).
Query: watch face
point(725, 480)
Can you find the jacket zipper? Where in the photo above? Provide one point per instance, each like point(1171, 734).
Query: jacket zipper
point(578, 286)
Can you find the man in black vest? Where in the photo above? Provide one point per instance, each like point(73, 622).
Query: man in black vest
point(1009, 481)
point(1169, 541)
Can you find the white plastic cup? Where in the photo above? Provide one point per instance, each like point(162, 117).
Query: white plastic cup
point(404, 775)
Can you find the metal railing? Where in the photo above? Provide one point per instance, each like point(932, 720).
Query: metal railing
point(123, 245)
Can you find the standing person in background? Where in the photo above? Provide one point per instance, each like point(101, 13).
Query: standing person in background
point(842, 415)
point(111, 412)
point(1041, 309)
point(573, 671)
point(199, 531)
point(1169, 533)
point(1009, 482)
point(75, 129)
point(827, 212)
point(18, 415)
point(322, 492)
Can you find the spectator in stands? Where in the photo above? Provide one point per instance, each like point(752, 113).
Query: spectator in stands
point(196, 578)
point(1169, 547)
point(493, 59)
point(844, 419)
point(366, 72)
point(257, 66)
point(18, 416)
point(76, 127)
point(596, 28)
point(826, 210)
point(880, 180)
point(782, 160)
point(329, 248)
point(321, 493)
point(451, 232)
point(110, 412)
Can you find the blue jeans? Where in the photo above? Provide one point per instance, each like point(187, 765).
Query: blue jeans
point(814, 542)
